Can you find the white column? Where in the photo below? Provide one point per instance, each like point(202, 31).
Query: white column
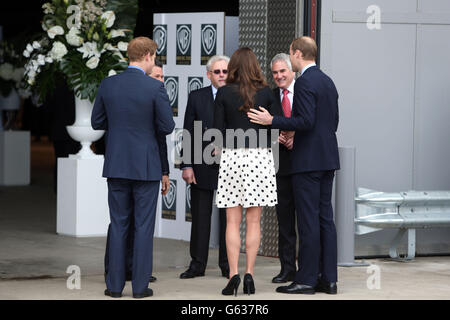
point(82, 199)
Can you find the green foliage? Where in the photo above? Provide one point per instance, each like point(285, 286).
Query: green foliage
point(126, 13)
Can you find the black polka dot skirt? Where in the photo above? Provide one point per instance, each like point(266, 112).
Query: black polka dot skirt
point(246, 178)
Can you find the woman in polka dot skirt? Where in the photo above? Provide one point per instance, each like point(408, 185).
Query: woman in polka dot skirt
point(247, 173)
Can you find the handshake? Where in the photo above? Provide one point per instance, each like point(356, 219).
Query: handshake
point(287, 139)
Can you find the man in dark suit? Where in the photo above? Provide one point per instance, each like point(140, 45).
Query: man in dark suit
point(157, 71)
point(284, 78)
point(202, 177)
point(134, 108)
point(315, 158)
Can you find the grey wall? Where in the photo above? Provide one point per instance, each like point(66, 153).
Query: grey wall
point(231, 35)
point(394, 87)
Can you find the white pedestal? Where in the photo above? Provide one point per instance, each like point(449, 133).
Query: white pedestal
point(14, 158)
point(82, 202)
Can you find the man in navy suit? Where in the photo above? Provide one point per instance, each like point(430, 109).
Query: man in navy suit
point(134, 108)
point(315, 158)
point(156, 73)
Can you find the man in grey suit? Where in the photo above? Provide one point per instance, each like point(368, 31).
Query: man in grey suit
point(135, 110)
point(284, 78)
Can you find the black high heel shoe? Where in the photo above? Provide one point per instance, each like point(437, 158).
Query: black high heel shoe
point(249, 285)
point(232, 286)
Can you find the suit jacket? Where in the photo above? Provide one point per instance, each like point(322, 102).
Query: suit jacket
point(284, 154)
point(200, 107)
point(228, 116)
point(163, 154)
point(315, 118)
point(135, 109)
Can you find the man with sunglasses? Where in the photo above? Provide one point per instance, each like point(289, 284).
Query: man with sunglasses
point(202, 177)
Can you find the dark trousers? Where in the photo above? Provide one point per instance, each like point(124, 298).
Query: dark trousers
point(318, 243)
point(201, 210)
point(130, 245)
point(62, 150)
point(127, 198)
point(287, 237)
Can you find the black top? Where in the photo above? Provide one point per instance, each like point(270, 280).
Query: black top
point(200, 107)
point(228, 116)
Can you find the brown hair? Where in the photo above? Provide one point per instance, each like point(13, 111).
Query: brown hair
point(307, 46)
point(244, 69)
point(139, 47)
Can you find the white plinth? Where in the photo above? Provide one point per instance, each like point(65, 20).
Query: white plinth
point(14, 158)
point(82, 202)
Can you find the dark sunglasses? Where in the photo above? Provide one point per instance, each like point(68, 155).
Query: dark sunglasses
point(217, 71)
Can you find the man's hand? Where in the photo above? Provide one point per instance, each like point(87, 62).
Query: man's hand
point(260, 117)
point(288, 134)
point(189, 176)
point(286, 138)
point(165, 182)
point(289, 143)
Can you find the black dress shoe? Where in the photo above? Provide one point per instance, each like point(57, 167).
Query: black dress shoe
point(296, 288)
point(147, 293)
point(226, 273)
point(327, 287)
point(152, 279)
point(284, 277)
point(189, 273)
point(113, 294)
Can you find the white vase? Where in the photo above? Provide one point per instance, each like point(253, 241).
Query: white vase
point(82, 130)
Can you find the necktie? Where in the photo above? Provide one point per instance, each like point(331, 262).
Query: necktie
point(286, 104)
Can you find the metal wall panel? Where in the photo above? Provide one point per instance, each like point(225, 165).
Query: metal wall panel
point(267, 27)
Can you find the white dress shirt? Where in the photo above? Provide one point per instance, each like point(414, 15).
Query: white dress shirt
point(214, 92)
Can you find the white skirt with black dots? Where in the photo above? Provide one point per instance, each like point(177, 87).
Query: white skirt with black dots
point(246, 178)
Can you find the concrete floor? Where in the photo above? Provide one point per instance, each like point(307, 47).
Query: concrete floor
point(34, 259)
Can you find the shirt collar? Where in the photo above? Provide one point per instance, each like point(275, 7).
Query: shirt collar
point(136, 67)
point(307, 67)
point(290, 88)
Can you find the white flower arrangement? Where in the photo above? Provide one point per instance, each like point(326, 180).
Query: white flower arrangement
point(6, 71)
point(73, 37)
point(81, 42)
point(11, 69)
